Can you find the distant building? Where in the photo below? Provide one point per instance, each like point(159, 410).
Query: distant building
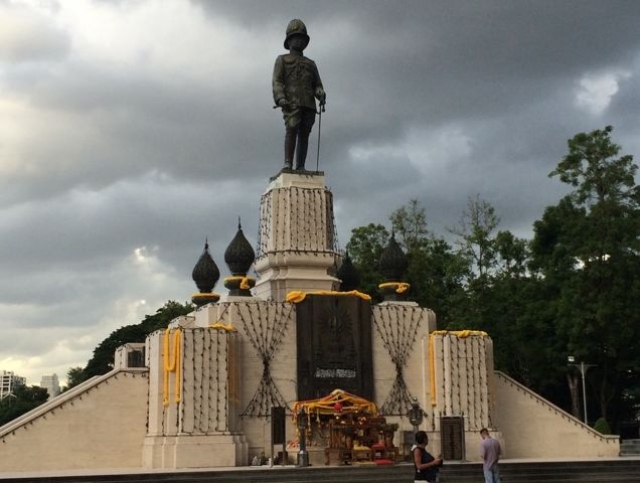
point(51, 384)
point(9, 381)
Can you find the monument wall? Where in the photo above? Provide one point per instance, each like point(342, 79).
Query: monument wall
point(399, 328)
point(267, 366)
point(100, 424)
point(194, 397)
point(205, 396)
point(526, 419)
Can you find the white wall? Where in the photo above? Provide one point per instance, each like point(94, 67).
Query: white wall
point(98, 424)
point(534, 428)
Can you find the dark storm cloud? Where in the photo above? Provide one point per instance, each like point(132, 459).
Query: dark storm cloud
point(92, 228)
point(118, 158)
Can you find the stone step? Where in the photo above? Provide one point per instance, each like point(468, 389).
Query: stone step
point(610, 471)
point(556, 472)
point(630, 447)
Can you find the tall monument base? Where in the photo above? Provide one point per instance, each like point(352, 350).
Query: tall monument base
point(297, 249)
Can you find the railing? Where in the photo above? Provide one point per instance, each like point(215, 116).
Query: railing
point(62, 399)
point(561, 412)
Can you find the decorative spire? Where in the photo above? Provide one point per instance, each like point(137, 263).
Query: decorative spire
point(205, 274)
point(348, 275)
point(239, 257)
point(393, 264)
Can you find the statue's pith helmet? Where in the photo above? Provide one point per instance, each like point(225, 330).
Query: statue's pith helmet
point(296, 27)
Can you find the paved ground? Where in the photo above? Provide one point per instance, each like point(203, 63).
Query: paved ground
point(132, 471)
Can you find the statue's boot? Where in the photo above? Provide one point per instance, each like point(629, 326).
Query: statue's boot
point(289, 147)
point(301, 153)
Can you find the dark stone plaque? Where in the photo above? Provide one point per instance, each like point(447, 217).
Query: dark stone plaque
point(452, 431)
point(334, 346)
point(278, 425)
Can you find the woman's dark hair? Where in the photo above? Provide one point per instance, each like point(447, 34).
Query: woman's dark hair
point(421, 437)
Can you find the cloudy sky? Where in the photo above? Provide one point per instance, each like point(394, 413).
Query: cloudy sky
point(132, 130)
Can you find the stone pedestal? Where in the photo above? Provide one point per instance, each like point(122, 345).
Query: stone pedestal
point(461, 377)
point(195, 451)
point(297, 247)
point(193, 399)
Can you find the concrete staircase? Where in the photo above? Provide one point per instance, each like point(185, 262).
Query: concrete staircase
point(621, 470)
point(532, 427)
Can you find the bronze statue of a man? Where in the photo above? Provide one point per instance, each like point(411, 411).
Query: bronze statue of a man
point(296, 85)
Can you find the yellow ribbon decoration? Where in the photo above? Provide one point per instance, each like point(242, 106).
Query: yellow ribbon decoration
point(204, 295)
point(461, 334)
point(244, 281)
point(297, 296)
point(172, 364)
point(401, 287)
point(220, 325)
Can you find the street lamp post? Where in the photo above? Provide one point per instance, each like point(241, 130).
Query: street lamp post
point(583, 368)
point(303, 455)
point(415, 415)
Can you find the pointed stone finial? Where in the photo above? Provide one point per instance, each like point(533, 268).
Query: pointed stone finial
point(393, 262)
point(239, 257)
point(348, 275)
point(393, 265)
point(205, 274)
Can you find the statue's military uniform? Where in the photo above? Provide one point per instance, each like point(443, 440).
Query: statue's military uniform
point(296, 78)
point(296, 85)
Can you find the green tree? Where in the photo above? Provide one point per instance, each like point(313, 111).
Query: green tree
point(476, 245)
point(570, 290)
point(512, 255)
point(435, 271)
point(602, 426)
point(587, 250)
point(501, 298)
point(75, 375)
point(556, 268)
point(365, 248)
point(475, 231)
point(103, 354)
point(409, 222)
point(21, 401)
point(535, 354)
